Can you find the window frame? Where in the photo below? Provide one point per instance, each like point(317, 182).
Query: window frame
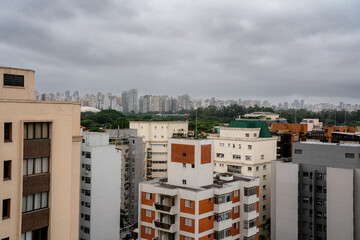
point(9, 168)
point(8, 131)
point(6, 204)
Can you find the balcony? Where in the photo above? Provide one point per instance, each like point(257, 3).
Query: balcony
point(162, 225)
point(36, 183)
point(35, 220)
point(161, 207)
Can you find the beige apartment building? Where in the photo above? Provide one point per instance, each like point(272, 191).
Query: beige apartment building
point(248, 148)
point(155, 136)
point(39, 162)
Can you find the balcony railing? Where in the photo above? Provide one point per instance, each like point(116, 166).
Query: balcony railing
point(161, 207)
point(163, 225)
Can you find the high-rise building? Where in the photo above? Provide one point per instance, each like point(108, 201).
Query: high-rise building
point(130, 101)
point(316, 194)
point(133, 169)
point(248, 148)
point(192, 203)
point(155, 136)
point(39, 162)
point(100, 188)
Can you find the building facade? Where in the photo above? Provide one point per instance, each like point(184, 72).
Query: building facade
point(192, 203)
point(316, 194)
point(99, 188)
point(155, 135)
point(133, 169)
point(39, 162)
point(247, 148)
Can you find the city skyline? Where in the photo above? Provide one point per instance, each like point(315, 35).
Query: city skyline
point(203, 48)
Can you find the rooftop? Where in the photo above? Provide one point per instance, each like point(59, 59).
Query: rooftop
point(264, 130)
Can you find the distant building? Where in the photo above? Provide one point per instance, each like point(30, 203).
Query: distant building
point(39, 162)
point(130, 101)
point(248, 148)
point(316, 194)
point(268, 117)
point(100, 188)
point(192, 203)
point(133, 169)
point(286, 135)
point(155, 136)
point(312, 124)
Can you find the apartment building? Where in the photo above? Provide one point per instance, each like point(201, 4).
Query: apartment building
point(193, 203)
point(155, 136)
point(133, 169)
point(99, 188)
point(312, 124)
point(316, 194)
point(247, 148)
point(39, 162)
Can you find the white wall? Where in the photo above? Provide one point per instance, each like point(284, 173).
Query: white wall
point(340, 203)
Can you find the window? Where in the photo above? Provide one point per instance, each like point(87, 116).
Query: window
point(192, 165)
point(298, 151)
point(7, 132)
point(236, 156)
point(36, 130)
point(247, 135)
point(239, 146)
point(233, 145)
point(6, 208)
point(249, 191)
point(247, 157)
point(223, 198)
point(147, 213)
point(236, 193)
point(188, 204)
point(257, 168)
point(236, 209)
point(184, 181)
point(249, 224)
point(87, 180)
point(305, 199)
point(249, 169)
point(187, 238)
point(262, 157)
point(87, 192)
point(87, 217)
point(187, 222)
point(147, 230)
point(264, 187)
point(184, 165)
point(264, 177)
point(264, 167)
point(35, 201)
point(319, 176)
point(221, 144)
point(7, 170)
point(349, 155)
point(249, 147)
point(35, 166)
point(305, 174)
point(264, 207)
point(148, 196)
point(264, 197)
point(219, 155)
point(13, 80)
point(250, 207)
point(222, 234)
point(87, 154)
point(87, 230)
point(223, 216)
point(184, 154)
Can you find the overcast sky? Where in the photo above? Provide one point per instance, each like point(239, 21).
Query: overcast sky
point(225, 48)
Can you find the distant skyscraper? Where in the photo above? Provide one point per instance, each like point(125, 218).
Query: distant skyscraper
point(130, 101)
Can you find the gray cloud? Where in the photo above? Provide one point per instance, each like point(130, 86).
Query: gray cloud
point(208, 48)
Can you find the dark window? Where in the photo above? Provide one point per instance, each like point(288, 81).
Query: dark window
point(83, 140)
point(193, 165)
point(7, 170)
point(87, 154)
point(349, 155)
point(305, 174)
point(298, 151)
point(87, 180)
point(13, 80)
point(7, 132)
point(184, 154)
point(184, 181)
point(6, 208)
point(83, 153)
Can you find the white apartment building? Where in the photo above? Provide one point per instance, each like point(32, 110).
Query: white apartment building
point(100, 187)
point(247, 148)
point(193, 203)
point(155, 136)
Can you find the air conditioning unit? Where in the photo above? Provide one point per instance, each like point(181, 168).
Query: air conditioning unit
point(86, 172)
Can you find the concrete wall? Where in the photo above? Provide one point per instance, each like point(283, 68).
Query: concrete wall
point(340, 204)
point(284, 201)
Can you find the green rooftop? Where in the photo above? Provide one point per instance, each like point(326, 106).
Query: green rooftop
point(264, 130)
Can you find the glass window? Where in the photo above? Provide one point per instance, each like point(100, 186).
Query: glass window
point(30, 166)
point(37, 165)
point(45, 164)
point(44, 199)
point(29, 203)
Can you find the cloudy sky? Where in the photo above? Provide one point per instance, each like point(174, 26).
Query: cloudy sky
point(269, 49)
